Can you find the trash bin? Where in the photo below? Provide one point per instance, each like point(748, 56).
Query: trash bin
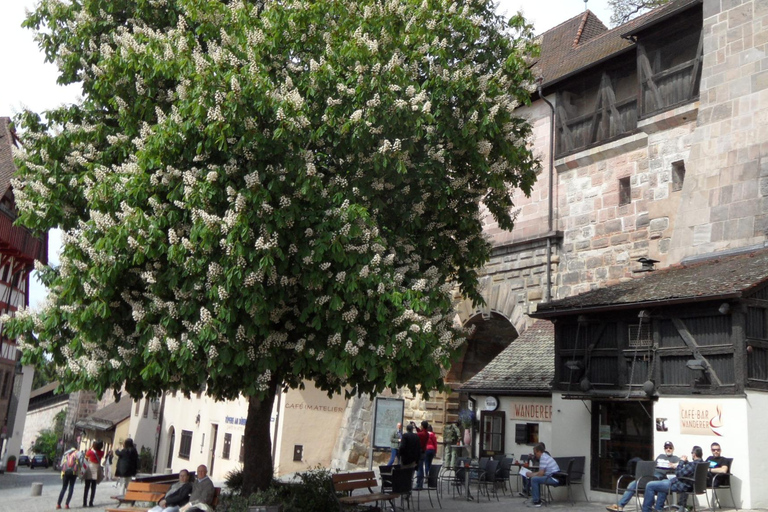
point(10, 466)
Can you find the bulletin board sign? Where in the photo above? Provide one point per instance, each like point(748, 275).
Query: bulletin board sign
point(388, 413)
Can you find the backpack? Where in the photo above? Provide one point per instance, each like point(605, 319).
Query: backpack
point(70, 463)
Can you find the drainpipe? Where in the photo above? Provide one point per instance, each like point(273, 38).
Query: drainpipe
point(550, 209)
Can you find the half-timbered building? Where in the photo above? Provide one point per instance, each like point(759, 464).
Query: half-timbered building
point(19, 249)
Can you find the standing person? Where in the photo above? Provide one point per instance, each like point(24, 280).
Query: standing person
point(394, 444)
point(70, 467)
point(92, 463)
point(547, 467)
point(668, 459)
point(656, 492)
point(450, 438)
point(423, 434)
point(177, 496)
point(202, 493)
point(108, 466)
point(410, 448)
point(127, 463)
point(431, 450)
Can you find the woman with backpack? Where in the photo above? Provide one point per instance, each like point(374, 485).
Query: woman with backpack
point(70, 467)
point(91, 473)
point(127, 463)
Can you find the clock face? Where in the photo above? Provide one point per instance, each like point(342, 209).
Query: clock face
point(491, 403)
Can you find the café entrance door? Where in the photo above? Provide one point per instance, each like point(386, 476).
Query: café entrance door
point(620, 432)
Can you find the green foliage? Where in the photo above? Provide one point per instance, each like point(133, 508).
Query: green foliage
point(256, 194)
point(313, 493)
point(46, 443)
point(146, 460)
point(234, 480)
point(58, 423)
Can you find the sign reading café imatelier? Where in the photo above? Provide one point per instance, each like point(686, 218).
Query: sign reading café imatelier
point(535, 411)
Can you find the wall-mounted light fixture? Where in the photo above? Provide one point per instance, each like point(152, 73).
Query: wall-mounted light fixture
point(696, 365)
point(574, 365)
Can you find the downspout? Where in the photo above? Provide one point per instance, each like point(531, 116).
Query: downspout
point(550, 209)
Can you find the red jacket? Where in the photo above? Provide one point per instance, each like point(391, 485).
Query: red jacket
point(94, 456)
point(423, 437)
point(432, 442)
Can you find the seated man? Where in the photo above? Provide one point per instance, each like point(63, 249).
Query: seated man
point(547, 468)
point(202, 494)
point(656, 491)
point(717, 464)
point(177, 496)
point(667, 458)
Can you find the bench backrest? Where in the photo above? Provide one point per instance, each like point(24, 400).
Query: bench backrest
point(145, 491)
point(348, 482)
point(216, 492)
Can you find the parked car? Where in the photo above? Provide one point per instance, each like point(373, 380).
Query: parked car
point(23, 460)
point(39, 461)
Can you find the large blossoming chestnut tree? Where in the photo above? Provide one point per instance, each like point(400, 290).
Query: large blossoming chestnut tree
point(258, 193)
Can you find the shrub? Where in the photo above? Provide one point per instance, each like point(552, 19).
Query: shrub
point(312, 493)
point(146, 461)
point(234, 480)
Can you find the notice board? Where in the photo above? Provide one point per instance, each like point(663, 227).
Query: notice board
point(388, 413)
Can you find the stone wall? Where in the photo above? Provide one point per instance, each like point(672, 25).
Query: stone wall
point(39, 420)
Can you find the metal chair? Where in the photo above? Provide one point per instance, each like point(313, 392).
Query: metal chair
point(642, 474)
point(576, 477)
point(433, 484)
point(386, 477)
point(454, 477)
point(504, 474)
point(560, 476)
point(402, 484)
point(722, 481)
point(488, 477)
point(699, 482)
point(523, 459)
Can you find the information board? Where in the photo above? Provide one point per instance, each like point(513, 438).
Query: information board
point(389, 412)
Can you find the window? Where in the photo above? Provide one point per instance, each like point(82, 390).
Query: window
point(491, 433)
point(136, 411)
point(625, 192)
point(527, 433)
point(146, 407)
point(6, 379)
point(185, 447)
point(155, 409)
point(227, 446)
point(678, 175)
point(242, 448)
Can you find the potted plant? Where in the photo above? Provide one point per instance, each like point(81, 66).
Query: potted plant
point(467, 419)
point(10, 466)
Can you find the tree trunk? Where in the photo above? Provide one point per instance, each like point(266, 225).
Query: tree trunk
point(257, 459)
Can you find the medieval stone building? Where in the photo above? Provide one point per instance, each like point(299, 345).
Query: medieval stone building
point(645, 242)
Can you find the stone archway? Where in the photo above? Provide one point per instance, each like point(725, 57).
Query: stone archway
point(492, 334)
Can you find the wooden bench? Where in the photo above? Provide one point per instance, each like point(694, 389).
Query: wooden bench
point(142, 492)
point(347, 483)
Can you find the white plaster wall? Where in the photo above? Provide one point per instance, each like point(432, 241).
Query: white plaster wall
point(39, 420)
point(572, 426)
point(506, 404)
point(738, 422)
point(757, 465)
point(143, 430)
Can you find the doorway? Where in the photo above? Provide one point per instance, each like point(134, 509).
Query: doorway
point(212, 457)
point(620, 431)
point(491, 433)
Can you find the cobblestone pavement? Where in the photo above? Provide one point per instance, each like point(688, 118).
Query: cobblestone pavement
point(15, 496)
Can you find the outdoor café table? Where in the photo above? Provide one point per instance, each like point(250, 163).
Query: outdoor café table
point(467, 468)
point(526, 465)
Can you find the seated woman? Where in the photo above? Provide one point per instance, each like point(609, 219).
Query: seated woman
point(177, 496)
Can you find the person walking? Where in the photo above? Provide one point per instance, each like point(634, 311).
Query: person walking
point(394, 444)
point(429, 455)
point(108, 466)
point(127, 463)
point(70, 467)
point(92, 463)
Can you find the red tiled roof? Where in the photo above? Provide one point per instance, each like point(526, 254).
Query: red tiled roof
point(584, 41)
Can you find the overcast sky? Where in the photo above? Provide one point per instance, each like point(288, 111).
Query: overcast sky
point(28, 82)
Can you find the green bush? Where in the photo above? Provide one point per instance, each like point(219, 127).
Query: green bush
point(234, 480)
point(146, 461)
point(313, 493)
point(45, 444)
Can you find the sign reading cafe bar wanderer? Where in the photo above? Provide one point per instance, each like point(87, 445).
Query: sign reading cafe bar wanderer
point(535, 411)
point(701, 418)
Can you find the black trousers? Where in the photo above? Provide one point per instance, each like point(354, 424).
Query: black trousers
point(89, 484)
point(67, 481)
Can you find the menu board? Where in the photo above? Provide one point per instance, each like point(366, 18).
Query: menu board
point(388, 413)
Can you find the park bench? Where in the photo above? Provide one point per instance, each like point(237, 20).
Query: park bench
point(148, 492)
point(347, 483)
point(143, 492)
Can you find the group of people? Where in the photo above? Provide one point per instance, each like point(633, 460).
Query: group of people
point(414, 449)
point(87, 466)
point(664, 483)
